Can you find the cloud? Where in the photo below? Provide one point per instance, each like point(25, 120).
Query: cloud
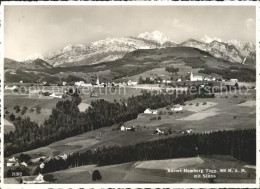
point(250, 22)
point(208, 39)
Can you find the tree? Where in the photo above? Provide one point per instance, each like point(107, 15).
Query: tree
point(38, 109)
point(12, 117)
point(24, 110)
point(48, 177)
point(24, 158)
point(96, 175)
point(17, 108)
point(140, 80)
point(236, 85)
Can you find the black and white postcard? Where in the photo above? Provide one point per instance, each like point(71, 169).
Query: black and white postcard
point(153, 94)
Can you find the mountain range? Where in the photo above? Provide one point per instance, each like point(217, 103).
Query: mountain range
point(115, 48)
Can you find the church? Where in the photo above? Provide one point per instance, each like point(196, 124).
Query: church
point(195, 78)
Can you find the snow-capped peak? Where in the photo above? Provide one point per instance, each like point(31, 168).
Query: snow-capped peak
point(155, 36)
point(34, 57)
point(67, 48)
point(207, 39)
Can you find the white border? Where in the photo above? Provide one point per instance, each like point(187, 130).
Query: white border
point(139, 3)
point(257, 91)
point(2, 90)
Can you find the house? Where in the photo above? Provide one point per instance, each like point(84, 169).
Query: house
point(123, 128)
point(207, 79)
point(195, 78)
point(189, 131)
point(13, 159)
point(179, 80)
point(10, 88)
point(158, 131)
point(10, 164)
point(24, 164)
point(33, 180)
point(21, 81)
point(42, 165)
point(177, 108)
point(64, 157)
point(155, 112)
point(234, 80)
point(64, 83)
point(79, 83)
point(82, 84)
point(150, 111)
point(55, 96)
point(131, 83)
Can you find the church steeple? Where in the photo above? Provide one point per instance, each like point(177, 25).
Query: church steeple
point(97, 82)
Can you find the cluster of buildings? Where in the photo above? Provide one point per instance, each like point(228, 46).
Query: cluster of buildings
point(150, 111)
point(124, 128)
point(33, 180)
point(175, 108)
point(13, 162)
point(200, 78)
point(55, 96)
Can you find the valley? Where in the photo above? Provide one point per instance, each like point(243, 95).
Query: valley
point(61, 108)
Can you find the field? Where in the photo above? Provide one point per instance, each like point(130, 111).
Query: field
point(229, 114)
point(157, 172)
point(47, 103)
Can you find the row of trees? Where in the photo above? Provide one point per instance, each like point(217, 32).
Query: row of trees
point(240, 144)
point(66, 120)
point(171, 69)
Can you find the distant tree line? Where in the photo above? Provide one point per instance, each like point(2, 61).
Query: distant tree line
point(240, 144)
point(171, 69)
point(66, 120)
point(242, 74)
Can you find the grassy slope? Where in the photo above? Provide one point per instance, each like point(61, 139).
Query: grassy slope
point(132, 173)
point(226, 109)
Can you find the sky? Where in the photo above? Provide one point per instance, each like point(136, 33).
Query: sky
point(41, 29)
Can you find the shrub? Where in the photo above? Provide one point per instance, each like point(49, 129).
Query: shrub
point(204, 103)
point(38, 109)
point(159, 117)
point(24, 110)
point(12, 117)
point(161, 113)
point(170, 113)
point(197, 104)
point(24, 157)
point(153, 118)
point(48, 177)
point(96, 175)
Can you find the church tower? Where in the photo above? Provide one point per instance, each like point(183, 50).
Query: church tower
point(97, 82)
point(191, 76)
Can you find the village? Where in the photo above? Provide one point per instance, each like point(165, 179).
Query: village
point(152, 123)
